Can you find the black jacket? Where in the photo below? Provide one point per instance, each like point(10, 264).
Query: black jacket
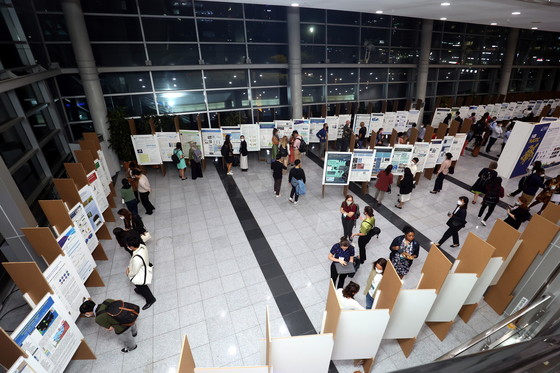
point(243, 148)
point(406, 185)
point(296, 173)
point(458, 220)
point(532, 184)
point(277, 168)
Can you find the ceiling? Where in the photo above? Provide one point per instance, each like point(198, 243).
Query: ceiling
point(544, 14)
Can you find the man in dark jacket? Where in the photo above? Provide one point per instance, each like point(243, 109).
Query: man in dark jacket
point(298, 174)
point(323, 136)
point(532, 185)
point(277, 167)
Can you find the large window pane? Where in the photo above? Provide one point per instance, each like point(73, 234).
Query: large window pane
point(312, 15)
point(371, 92)
point(181, 102)
point(400, 75)
point(41, 123)
point(119, 54)
point(28, 97)
point(454, 27)
point(343, 18)
point(373, 75)
point(13, 144)
point(227, 99)
point(53, 152)
point(375, 36)
point(376, 20)
point(77, 109)
point(70, 85)
point(447, 74)
point(174, 80)
point(268, 53)
point(313, 54)
point(404, 55)
point(313, 76)
point(468, 74)
point(266, 32)
point(452, 41)
point(169, 29)
point(444, 89)
point(173, 54)
point(225, 78)
point(223, 53)
point(465, 88)
point(53, 26)
point(220, 10)
point(109, 6)
point(61, 53)
point(29, 177)
point(374, 55)
point(342, 76)
point(125, 82)
point(343, 54)
point(404, 38)
point(397, 90)
point(255, 11)
point(7, 111)
point(269, 77)
point(312, 34)
point(166, 7)
point(79, 128)
point(270, 96)
point(313, 94)
point(102, 28)
point(341, 93)
point(214, 30)
point(406, 23)
point(136, 105)
point(343, 35)
point(451, 57)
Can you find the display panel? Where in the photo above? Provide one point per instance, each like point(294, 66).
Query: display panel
point(188, 137)
point(235, 137)
point(336, 170)
point(402, 156)
point(91, 207)
point(146, 149)
point(167, 142)
point(265, 134)
point(382, 159)
point(73, 245)
point(212, 141)
point(362, 165)
point(251, 133)
point(80, 220)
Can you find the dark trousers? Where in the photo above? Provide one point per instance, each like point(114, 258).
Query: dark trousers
point(132, 206)
point(516, 192)
point(490, 211)
point(451, 232)
point(145, 199)
point(335, 275)
point(277, 185)
point(137, 195)
point(293, 193)
point(491, 141)
point(196, 170)
point(347, 226)
point(145, 291)
point(362, 242)
point(439, 182)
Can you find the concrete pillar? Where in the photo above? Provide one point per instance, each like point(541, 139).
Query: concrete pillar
point(294, 61)
point(424, 62)
point(76, 26)
point(511, 47)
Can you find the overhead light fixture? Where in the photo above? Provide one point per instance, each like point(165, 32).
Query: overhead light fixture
point(534, 28)
point(378, 12)
point(443, 19)
point(493, 24)
point(295, 4)
point(445, 4)
point(515, 13)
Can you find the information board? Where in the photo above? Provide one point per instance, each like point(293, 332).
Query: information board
point(167, 142)
point(421, 150)
point(103, 161)
point(80, 220)
point(251, 133)
point(265, 134)
point(548, 152)
point(234, 133)
point(413, 117)
point(457, 145)
point(336, 170)
point(189, 137)
point(362, 165)
point(381, 159)
point(102, 177)
point(358, 118)
point(401, 122)
point(439, 115)
point(303, 128)
point(92, 209)
point(341, 121)
point(212, 141)
point(284, 127)
point(332, 123)
point(315, 125)
point(98, 191)
point(26, 365)
point(376, 122)
point(445, 147)
point(433, 153)
point(389, 121)
point(146, 149)
point(73, 245)
point(402, 156)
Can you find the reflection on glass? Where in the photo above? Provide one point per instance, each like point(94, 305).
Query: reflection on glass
point(375, 36)
point(406, 23)
point(219, 10)
point(41, 123)
point(213, 30)
point(465, 88)
point(256, 11)
point(444, 89)
point(266, 32)
point(312, 34)
point(79, 128)
point(400, 75)
point(169, 29)
point(313, 76)
point(28, 177)
point(180, 102)
point(28, 96)
point(225, 78)
point(371, 92)
point(343, 54)
point(53, 152)
point(341, 93)
point(376, 20)
point(119, 54)
point(312, 15)
point(175, 80)
point(76, 109)
point(223, 53)
point(70, 85)
point(397, 90)
point(447, 74)
point(109, 6)
point(343, 18)
point(125, 82)
point(269, 77)
point(61, 53)
point(136, 105)
point(313, 94)
point(270, 96)
point(372, 54)
point(405, 38)
point(342, 76)
point(343, 35)
point(312, 54)
point(373, 75)
point(13, 144)
point(227, 99)
point(268, 53)
point(173, 54)
point(404, 55)
point(103, 28)
point(53, 27)
point(166, 7)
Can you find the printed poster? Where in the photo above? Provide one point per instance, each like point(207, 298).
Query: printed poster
point(74, 246)
point(265, 134)
point(401, 122)
point(146, 149)
point(98, 192)
point(421, 150)
point(414, 117)
point(251, 133)
point(457, 145)
point(285, 128)
point(315, 125)
point(439, 115)
point(376, 122)
point(26, 365)
point(167, 142)
point(358, 118)
point(101, 157)
point(102, 176)
point(362, 165)
point(341, 122)
point(381, 159)
point(92, 209)
point(234, 133)
point(189, 137)
point(445, 147)
point(212, 142)
point(303, 128)
point(402, 156)
point(336, 170)
point(80, 220)
point(548, 151)
point(433, 154)
point(389, 122)
point(332, 123)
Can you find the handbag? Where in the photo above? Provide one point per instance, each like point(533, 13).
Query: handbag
point(146, 279)
point(146, 236)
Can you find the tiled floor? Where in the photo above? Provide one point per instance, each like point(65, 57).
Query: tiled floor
point(207, 249)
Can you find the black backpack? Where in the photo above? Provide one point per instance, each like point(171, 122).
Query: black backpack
point(174, 158)
point(225, 150)
point(374, 231)
point(123, 312)
point(302, 145)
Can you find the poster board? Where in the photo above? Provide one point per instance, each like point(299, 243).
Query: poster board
point(381, 159)
point(146, 149)
point(389, 121)
point(336, 170)
point(102, 177)
point(531, 135)
point(445, 147)
point(401, 122)
point(362, 165)
point(306, 353)
point(315, 125)
point(252, 138)
point(421, 150)
point(341, 121)
point(303, 128)
point(103, 163)
point(285, 128)
point(49, 334)
point(234, 133)
point(188, 137)
point(265, 135)
point(414, 117)
point(548, 152)
point(91, 207)
point(332, 123)
point(167, 142)
point(376, 122)
point(457, 145)
point(80, 220)
point(358, 118)
point(402, 156)
point(73, 245)
point(98, 192)
point(212, 141)
point(26, 365)
point(433, 154)
point(439, 115)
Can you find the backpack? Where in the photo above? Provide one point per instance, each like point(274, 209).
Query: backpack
point(224, 150)
point(283, 151)
point(175, 158)
point(357, 214)
point(123, 312)
point(374, 231)
point(486, 177)
point(302, 145)
point(197, 155)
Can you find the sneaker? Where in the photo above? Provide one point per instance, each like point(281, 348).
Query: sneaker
point(278, 195)
point(126, 349)
point(483, 222)
point(135, 334)
point(291, 199)
point(295, 202)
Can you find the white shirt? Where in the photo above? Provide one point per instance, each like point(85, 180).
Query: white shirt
point(413, 168)
point(348, 303)
point(143, 184)
point(376, 280)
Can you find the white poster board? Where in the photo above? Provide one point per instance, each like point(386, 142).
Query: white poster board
point(212, 141)
point(362, 165)
point(457, 145)
point(146, 149)
point(445, 147)
point(252, 138)
point(341, 122)
point(389, 122)
point(188, 137)
point(381, 159)
point(98, 192)
point(80, 220)
point(421, 150)
point(65, 281)
point(377, 122)
point(315, 125)
point(103, 161)
point(332, 123)
point(91, 207)
point(401, 122)
point(414, 117)
point(433, 154)
point(26, 365)
point(265, 135)
point(336, 170)
point(303, 128)
point(402, 156)
point(451, 297)
point(358, 118)
point(439, 115)
point(73, 245)
point(102, 177)
point(167, 142)
point(307, 353)
point(284, 127)
point(234, 133)
point(465, 112)
point(407, 324)
point(49, 334)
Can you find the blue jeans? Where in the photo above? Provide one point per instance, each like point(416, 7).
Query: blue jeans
point(369, 302)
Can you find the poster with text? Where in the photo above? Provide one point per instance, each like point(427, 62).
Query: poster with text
point(103, 161)
point(445, 147)
point(98, 191)
point(433, 154)
point(336, 170)
point(146, 149)
point(189, 137)
point(376, 121)
point(457, 145)
point(92, 209)
point(362, 165)
point(548, 151)
point(332, 123)
point(234, 133)
point(401, 121)
point(413, 117)
point(65, 281)
point(402, 156)
point(284, 127)
point(74, 246)
point(26, 365)
point(341, 122)
point(421, 150)
point(303, 128)
point(212, 141)
point(167, 142)
point(265, 135)
point(80, 220)
point(439, 116)
point(315, 125)
point(49, 334)
point(381, 159)
point(389, 121)
point(102, 177)
point(465, 111)
point(251, 133)
point(358, 118)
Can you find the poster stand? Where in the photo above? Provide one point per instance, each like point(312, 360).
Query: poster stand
point(453, 128)
point(413, 136)
point(552, 213)
point(88, 162)
point(29, 279)
point(441, 131)
point(429, 133)
point(351, 149)
point(393, 138)
point(133, 131)
point(10, 351)
point(91, 143)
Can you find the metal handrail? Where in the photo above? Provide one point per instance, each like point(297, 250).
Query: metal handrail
point(465, 346)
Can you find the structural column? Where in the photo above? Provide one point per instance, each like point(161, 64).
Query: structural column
point(424, 62)
point(513, 36)
point(76, 25)
point(294, 61)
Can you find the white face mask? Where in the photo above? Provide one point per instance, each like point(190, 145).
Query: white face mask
point(517, 203)
point(348, 202)
point(121, 217)
point(379, 270)
point(460, 203)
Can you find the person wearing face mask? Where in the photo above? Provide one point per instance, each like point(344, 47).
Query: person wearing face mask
point(348, 209)
point(518, 213)
point(366, 232)
point(132, 222)
point(551, 186)
point(404, 249)
point(373, 281)
point(243, 155)
point(457, 220)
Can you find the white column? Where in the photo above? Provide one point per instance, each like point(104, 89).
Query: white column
point(508, 61)
point(424, 62)
point(294, 61)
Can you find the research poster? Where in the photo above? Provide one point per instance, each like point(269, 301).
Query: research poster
point(315, 125)
point(336, 170)
point(26, 365)
point(284, 127)
point(189, 137)
point(433, 154)
point(389, 122)
point(146, 149)
point(92, 209)
point(332, 123)
point(445, 147)
point(457, 145)
point(101, 157)
point(402, 156)
point(251, 133)
point(358, 118)
point(376, 122)
point(362, 165)
point(465, 112)
point(439, 116)
point(49, 334)
point(401, 121)
point(548, 151)
point(303, 128)
point(102, 177)
point(74, 246)
point(212, 141)
point(381, 159)
point(167, 142)
point(414, 117)
point(65, 281)
point(341, 122)
point(421, 150)
point(80, 220)
point(265, 134)
point(98, 192)
point(234, 133)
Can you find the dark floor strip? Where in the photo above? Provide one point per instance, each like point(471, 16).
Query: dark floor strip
point(396, 220)
point(485, 155)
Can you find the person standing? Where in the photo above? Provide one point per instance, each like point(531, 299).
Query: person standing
point(348, 210)
point(404, 249)
point(346, 297)
point(442, 173)
point(379, 137)
point(122, 236)
point(275, 143)
point(448, 118)
point(181, 165)
point(227, 153)
point(127, 195)
point(373, 281)
point(277, 169)
point(292, 152)
point(342, 253)
point(457, 220)
point(362, 133)
point(409, 132)
point(296, 146)
point(296, 176)
point(422, 133)
point(532, 185)
point(195, 159)
point(414, 167)
point(518, 213)
point(109, 315)
point(505, 137)
point(496, 133)
point(132, 180)
point(144, 189)
point(494, 191)
point(284, 151)
point(346, 134)
point(485, 175)
point(244, 155)
point(139, 270)
point(383, 183)
point(405, 188)
point(458, 118)
point(366, 233)
point(322, 135)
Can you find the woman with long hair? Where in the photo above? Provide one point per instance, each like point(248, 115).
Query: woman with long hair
point(275, 143)
point(284, 151)
point(383, 183)
point(348, 211)
point(195, 160)
point(127, 195)
point(457, 220)
point(366, 232)
point(442, 173)
point(227, 153)
point(182, 165)
point(405, 188)
point(132, 221)
point(518, 213)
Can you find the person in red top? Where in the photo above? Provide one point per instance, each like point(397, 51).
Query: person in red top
point(348, 210)
point(383, 183)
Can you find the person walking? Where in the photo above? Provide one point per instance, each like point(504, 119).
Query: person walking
point(457, 220)
point(404, 249)
point(342, 253)
point(277, 169)
point(128, 197)
point(442, 173)
point(322, 135)
point(284, 151)
point(348, 211)
point(518, 213)
point(139, 270)
point(405, 188)
point(296, 178)
point(115, 315)
point(373, 281)
point(132, 221)
point(494, 191)
point(485, 176)
point(383, 183)
point(346, 297)
point(181, 165)
point(537, 165)
point(551, 186)
point(195, 160)
point(275, 143)
point(227, 153)
point(366, 233)
point(496, 133)
point(144, 190)
point(244, 155)
point(532, 185)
